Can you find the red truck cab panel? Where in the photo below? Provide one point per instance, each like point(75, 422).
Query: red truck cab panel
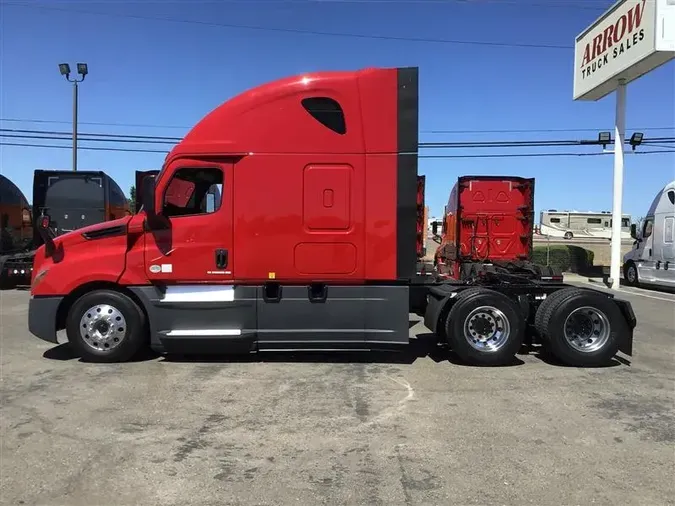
point(320, 180)
point(89, 254)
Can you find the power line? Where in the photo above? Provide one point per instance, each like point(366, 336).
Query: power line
point(530, 144)
point(547, 155)
point(86, 148)
point(580, 4)
point(500, 155)
point(585, 5)
point(82, 138)
point(663, 146)
point(300, 31)
point(434, 131)
point(97, 123)
point(146, 139)
point(65, 136)
point(68, 135)
point(541, 130)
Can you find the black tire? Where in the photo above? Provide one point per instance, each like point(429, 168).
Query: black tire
point(630, 274)
point(131, 337)
point(510, 319)
point(602, 316)
point(568, 235)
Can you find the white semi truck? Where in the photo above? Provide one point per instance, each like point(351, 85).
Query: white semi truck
point(652, 259)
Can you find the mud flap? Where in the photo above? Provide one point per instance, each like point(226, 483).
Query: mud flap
point(626, 346)
point(438, 298)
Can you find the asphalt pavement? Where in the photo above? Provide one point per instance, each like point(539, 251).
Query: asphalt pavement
point(408, 428)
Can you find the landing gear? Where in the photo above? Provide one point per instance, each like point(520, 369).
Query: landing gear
point(106, 326)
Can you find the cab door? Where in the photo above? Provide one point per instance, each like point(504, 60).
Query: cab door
point(191, 239)
point(646, 264)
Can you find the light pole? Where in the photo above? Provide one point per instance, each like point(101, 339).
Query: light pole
point(82, 70)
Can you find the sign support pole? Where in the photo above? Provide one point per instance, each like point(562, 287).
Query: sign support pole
point(617, 215)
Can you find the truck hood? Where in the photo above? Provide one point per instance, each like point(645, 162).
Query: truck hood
point(93, 253)
point(97, 231)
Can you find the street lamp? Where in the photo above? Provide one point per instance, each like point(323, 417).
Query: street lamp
point(636, 139)
point(82, 70)
point(604, 138)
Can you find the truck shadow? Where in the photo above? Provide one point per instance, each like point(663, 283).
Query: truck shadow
point(540, 353)
point(421, 346)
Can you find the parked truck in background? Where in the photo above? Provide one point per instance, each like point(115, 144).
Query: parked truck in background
point(487, 227)
point(72, 200)
point(652, 259)
point(313, 243)
point(16, 230)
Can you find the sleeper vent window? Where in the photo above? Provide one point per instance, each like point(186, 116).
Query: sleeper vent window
point(327, 112)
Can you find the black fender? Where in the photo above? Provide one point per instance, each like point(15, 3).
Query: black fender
point(626, 308)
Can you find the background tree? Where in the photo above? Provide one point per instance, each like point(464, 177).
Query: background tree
point(132, 199)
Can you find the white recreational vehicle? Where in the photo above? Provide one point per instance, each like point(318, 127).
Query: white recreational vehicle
point(581, 224)
point(652, 259)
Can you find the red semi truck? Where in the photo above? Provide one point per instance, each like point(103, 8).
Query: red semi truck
point(312, 244)
point(487, 228)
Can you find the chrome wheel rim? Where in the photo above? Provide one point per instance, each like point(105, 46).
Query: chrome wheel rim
point(587, 329)
point(487, 329)
point(103, 327)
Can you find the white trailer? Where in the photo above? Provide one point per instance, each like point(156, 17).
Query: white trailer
point(652, 259)
point(581, 224)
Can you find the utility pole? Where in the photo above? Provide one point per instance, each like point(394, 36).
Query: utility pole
point(82, 70)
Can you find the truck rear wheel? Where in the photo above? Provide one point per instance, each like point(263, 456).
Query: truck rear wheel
point(106, 326)
point(580, 327)
point(485, 327)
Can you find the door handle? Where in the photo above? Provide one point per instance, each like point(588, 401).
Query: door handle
point(221, 258)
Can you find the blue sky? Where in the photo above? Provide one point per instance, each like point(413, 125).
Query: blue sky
point(170, 74)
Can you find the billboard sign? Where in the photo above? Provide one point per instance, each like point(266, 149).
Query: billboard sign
point(632, 38)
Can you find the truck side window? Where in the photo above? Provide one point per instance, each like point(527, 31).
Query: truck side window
point(671, 196)
point(647, 230)
point(193, 191)
point(326, 111)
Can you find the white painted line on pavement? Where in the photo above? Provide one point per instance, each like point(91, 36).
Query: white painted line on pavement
point(633, 292)
point(623, 289)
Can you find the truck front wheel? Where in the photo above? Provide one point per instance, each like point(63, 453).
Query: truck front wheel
point(581, 328)
point(106, 326)
point(485, 327)
point(630, 273)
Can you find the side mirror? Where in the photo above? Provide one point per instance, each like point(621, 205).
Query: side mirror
point(43, 225)
point(633, 231)
point(148, 197)
point(434, 228)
